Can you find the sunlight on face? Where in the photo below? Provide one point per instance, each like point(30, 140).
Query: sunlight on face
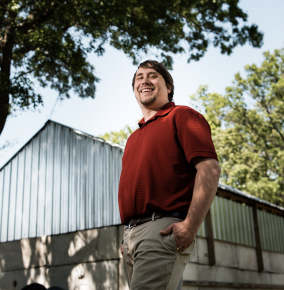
point(150, 87)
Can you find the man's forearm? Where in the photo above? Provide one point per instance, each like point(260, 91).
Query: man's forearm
point(205, 187)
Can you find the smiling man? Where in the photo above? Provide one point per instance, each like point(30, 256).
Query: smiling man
point(168, 181)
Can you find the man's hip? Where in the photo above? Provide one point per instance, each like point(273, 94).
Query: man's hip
point(152, 260)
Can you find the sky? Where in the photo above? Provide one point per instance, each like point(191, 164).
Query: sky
point(114, 105)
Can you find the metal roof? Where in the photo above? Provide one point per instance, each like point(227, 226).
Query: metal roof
point(250, 197)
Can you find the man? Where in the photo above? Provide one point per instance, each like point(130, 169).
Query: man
point(168, 181)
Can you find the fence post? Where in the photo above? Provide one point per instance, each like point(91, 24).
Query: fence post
point(257, 239)
point(210, 239)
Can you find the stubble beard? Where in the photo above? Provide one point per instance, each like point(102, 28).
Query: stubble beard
point(148, 101)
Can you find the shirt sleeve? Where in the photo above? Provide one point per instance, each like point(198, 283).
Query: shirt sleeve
point(194, 135)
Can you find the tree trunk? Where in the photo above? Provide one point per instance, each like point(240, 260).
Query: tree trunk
point(7, 49)
point(4, 111)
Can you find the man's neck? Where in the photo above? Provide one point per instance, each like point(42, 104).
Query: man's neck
point(150, 111)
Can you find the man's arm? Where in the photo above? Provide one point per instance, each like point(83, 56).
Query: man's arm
point(205, 187)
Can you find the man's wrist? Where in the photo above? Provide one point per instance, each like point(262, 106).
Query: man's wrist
point(190, 226)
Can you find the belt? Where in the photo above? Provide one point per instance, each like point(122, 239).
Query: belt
point(154, 216)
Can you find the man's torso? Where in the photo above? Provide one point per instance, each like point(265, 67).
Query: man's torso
point(156, 173)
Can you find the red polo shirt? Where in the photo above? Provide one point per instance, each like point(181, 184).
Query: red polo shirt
point(156, 172)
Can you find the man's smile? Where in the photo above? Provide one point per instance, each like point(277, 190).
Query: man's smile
point(145, 90)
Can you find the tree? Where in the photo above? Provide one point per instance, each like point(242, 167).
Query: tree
point(8, 144)
point(248, 128)
point(50, 40)
point(119, 137)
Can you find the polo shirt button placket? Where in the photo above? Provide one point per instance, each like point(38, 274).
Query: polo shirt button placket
point(141, 129)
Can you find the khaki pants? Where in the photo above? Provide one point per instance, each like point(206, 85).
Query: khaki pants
point(151, 261)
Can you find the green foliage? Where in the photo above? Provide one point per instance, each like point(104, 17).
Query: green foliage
point(249, 139)
point(50, 40)
point(119, 137)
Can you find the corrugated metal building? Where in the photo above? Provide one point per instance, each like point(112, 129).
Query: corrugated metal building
point(64, 181)
point(61, 181)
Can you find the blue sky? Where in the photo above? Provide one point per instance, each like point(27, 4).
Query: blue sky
point(115, 106)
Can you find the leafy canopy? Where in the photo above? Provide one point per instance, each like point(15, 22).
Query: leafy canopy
point(119, 137)
point(50, 40)
point(249, 139)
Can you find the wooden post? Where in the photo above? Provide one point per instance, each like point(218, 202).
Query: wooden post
point(210, 239)
point(257, 239)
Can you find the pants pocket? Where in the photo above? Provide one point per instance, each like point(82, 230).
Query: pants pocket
point(173, 241)
point(190, 249)
point(169, 243)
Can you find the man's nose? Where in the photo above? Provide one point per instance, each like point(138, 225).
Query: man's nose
point(146, 80)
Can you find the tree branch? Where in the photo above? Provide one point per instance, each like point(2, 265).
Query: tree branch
point(273, 124)
point(3, 18)
point(247, 123)
point(4, 7)
point(24, 49)
point(6, 60)
point(260, 136)
point(274, 169)
point(276, 145)
point(30, 71)
point(197, 25)
point(26, 25)
point(28, 4)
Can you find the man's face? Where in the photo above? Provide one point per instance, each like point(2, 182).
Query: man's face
point(150, 87)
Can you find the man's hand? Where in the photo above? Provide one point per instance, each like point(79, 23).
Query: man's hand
point(205, 187)
point(184, 236)
point(121, 249)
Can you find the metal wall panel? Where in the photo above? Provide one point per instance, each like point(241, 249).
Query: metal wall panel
point(202, 230)
point(34, 187)
point(27, 191)
point(13, 197)
point(20, 195)
point(42, 184)
point(65, 181)
point(82, 183)
point(271, 231)
point(57, 180)
point(232, 222)
point(98, 161)
point(49, 179)
point(107, 206)
point(89, 183)
point(5, 203)
point(72, 184)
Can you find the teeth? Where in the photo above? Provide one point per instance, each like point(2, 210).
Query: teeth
point(146, 90)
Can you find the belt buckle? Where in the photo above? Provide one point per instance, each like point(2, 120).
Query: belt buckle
point(130, 226)
point(134, 225)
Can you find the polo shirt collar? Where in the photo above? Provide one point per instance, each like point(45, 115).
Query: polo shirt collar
point(162, 112)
